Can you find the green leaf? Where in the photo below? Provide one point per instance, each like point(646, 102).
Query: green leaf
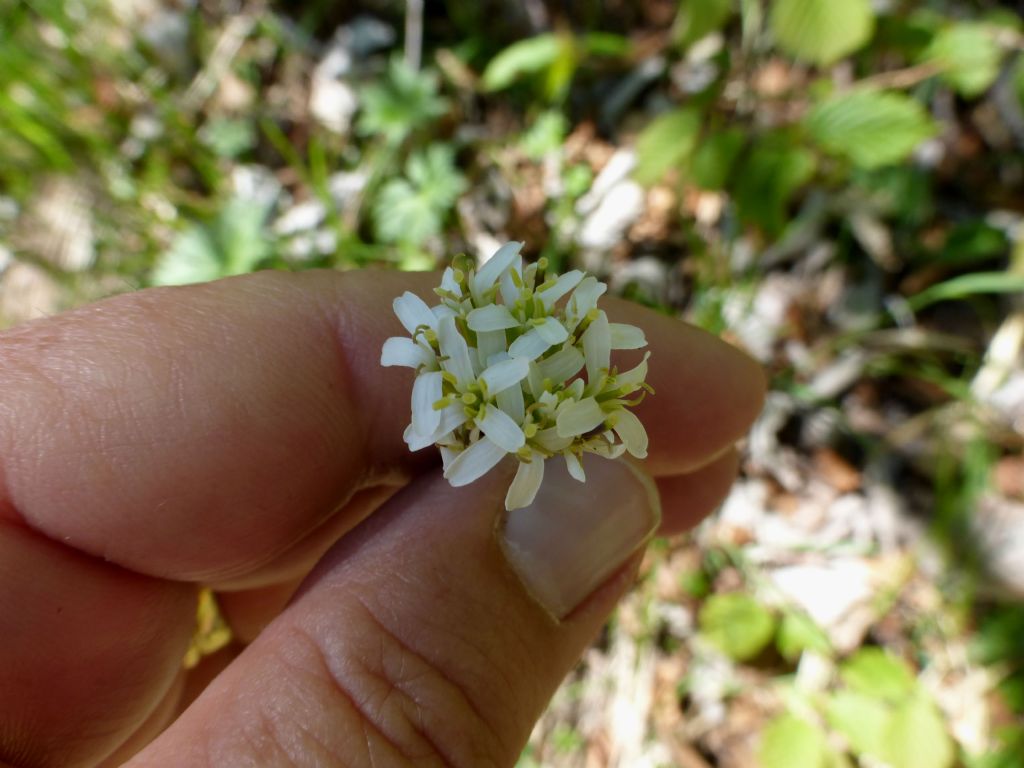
point(736, 624)
point(861, 719)
point(917, 738)
point(967, 285)
point(699, 18)
point(233, 244)
point(192, 258)
point(871, 128)
point(241, 237)
point(524, 57)
point(714, 159)
point(789, 742)
point(605, 44)
point(665, 143)
point(822, 31)
point(545, 134)
point(874, 672)
point(410, 210)
point(434, 173)
point(773, 171)
point(405, 100)
point(799, 633)
point(967, 55)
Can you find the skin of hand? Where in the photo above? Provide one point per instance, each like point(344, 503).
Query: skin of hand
point(242, 435)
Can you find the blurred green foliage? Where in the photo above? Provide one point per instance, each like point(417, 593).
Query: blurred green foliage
point(795, 122)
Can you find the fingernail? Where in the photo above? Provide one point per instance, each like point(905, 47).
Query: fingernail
point(575, 535)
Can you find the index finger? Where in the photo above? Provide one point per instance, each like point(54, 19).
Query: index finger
point(197, 432)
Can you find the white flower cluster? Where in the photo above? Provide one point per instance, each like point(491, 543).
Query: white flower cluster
point(502, 377)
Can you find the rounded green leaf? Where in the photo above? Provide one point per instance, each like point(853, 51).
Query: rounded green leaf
point(736, 624)
point(871, 128)
point(967, 56)
point(666, 142)
point(822, 31)
point(917, 737)
point(789, 742)
point(874, 672)
point(862, 719)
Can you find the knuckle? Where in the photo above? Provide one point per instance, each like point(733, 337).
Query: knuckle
point(388, 704)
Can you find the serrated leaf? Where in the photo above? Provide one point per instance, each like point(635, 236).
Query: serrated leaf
point(862, 719)
point(665, 143)
point(409, 210)
point(405, 100)
point(917, 738)
point(871, 128)
point(403, 215)
point(789, 742)
point(967, 55)
point(232, 244)
point(241, 237)
point(822, 31)
point(192, 258)
point(433, 173)
point(874, 672)
point(524, 57)
point(736, 624)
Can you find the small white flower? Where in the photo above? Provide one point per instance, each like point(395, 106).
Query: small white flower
point(516, 361)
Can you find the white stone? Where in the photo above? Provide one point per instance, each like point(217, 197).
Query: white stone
point(606, 225)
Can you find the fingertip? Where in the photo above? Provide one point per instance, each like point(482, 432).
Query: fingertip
point(689, 498)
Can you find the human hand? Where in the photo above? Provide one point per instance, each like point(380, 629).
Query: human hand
point(239, 435)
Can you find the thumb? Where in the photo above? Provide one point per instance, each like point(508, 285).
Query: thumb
point(433, 634)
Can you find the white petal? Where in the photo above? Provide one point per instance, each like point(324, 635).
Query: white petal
point(525, 484)
point(452, 417)
point(575, 389)
point(416, 442)
point(597, 347)
point(550, 440)
point(399, 350)
point(634, 376)
point(509, 289)
point(631, 432)
point(552, 331)
point(530, 345)
point(562, 365)
point(413, 312)
point(493, 317)
point(447, 455)
point(453, 347)
point(426, 391)
point(535, 381)
point(511, 402)
point(494, 268)
point(579, 418)
point(476, 461)
point(500, 429)
point(626, 336)
point(443, 310)
point(505, 374)
point(489, 345)
point(584, 299)
point(562, 286)
point(575, 467)
point(609, 451)
point(448, 282)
